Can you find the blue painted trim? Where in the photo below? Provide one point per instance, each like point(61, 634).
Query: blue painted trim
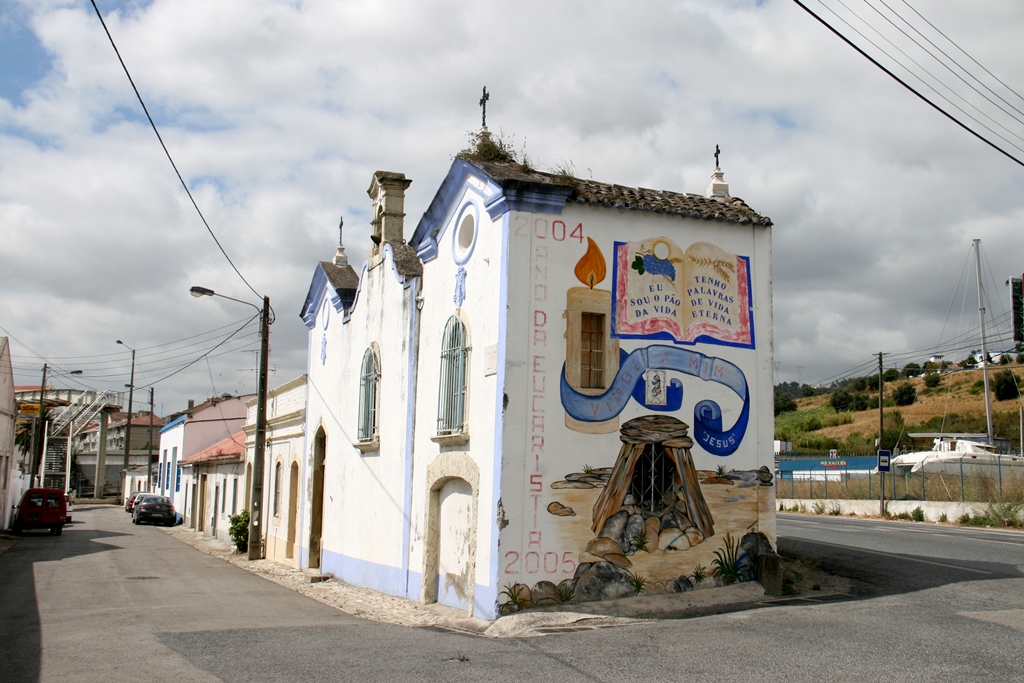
point(372, 575)
point(509, 195)
point(170, 425)
point(489, 605)
point(394, 580)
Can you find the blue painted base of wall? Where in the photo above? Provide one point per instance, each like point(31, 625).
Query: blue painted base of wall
point(393, 580)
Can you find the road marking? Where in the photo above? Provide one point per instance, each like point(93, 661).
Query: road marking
point(903, 557)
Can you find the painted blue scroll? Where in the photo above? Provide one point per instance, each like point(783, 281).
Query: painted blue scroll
point(629, 383)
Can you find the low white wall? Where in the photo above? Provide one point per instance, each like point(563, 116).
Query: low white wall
point(933, 510)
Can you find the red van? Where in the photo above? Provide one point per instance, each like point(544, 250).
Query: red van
point(41, 509)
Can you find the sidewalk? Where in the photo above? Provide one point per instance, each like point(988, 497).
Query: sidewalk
point(807, 584)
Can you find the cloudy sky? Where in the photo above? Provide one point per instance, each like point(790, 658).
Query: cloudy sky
point(277, 113)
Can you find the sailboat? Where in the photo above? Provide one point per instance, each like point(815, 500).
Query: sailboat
point(962, 453)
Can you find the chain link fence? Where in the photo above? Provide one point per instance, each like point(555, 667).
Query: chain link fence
point(853, 477)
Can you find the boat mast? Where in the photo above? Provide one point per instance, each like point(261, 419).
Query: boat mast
point(984, 347)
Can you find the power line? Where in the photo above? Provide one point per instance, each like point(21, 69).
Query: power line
point(167, 152)
point(908, 86)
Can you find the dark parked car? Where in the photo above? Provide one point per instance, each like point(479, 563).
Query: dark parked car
point(41, 509)
point(129, 502)
point(153, 509)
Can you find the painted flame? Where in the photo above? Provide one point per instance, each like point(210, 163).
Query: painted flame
point(591, 269)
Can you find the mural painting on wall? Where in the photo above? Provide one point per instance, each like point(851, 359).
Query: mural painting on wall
point(655, 522)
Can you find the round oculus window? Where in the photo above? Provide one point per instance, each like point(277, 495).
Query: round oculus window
point(465, 235)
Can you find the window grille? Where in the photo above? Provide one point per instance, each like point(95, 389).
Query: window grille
point(451, 399)
point(592, 351)
point(652, 483)
point(277, 490)
point(368, 379)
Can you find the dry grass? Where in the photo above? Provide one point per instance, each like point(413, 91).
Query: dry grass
point(952, 396)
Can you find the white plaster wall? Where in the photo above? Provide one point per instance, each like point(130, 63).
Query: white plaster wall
point(8, 410)
point(286, 407)
point(365, 510)
point(169, 440)
point(482, 314)
point(538, 447)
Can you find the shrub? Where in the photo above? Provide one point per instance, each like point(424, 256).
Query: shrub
point(841, 401)
point(917, 514)
point(891, 375)
point(932, 380)
point(239, 530)
point(812, 424)
point(808, 391)
point(905, 394)
point(1005, 385)
point(784, 403)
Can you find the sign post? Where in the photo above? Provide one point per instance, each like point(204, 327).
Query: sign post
point(883, 467)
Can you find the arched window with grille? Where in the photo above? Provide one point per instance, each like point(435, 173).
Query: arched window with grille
point(369, 378)
point(451, 398)
point(277, 490)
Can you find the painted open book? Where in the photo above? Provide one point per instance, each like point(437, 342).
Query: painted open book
point(701, 293)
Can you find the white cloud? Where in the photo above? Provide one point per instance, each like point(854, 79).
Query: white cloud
point(278, 112)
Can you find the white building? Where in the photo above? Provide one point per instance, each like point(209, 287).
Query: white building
point(282, 467)
point(10, 478)
point(554, 388)
point(195, 429)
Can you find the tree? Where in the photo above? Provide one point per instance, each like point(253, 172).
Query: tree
point(784, 403)
point(1006, 385)
point(912, 370)
point(891, 375)
point(932, 380)
point(905, 394)
point(969, 362)
point(808, 391)
point(841, 401)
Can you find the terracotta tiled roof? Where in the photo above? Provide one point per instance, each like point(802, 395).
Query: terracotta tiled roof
point(594, 193)
point(230, 449)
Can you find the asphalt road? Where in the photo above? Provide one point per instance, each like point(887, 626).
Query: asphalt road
point(111, 602)
point(897, 557)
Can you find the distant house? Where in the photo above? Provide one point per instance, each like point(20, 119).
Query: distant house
point(111, 427)
point(189, 432)
point(211, 476)
point(538, 386)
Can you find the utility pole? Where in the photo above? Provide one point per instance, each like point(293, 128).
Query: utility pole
point(881, 423)
point(256, 513)
point(149, 466)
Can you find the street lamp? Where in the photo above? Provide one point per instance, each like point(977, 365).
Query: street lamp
point(256, 497)
point(128, 425)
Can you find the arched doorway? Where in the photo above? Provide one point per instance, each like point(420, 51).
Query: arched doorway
point(449, 560)
point(454, 559)
point(293, 508)
point(316, 518)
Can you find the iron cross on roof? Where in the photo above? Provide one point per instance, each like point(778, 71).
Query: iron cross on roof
point(483, 104)
point(717, 152)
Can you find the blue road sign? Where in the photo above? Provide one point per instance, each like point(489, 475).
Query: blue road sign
point(883, 460)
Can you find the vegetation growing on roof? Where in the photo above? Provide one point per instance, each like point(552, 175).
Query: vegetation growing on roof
point(486, 147)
